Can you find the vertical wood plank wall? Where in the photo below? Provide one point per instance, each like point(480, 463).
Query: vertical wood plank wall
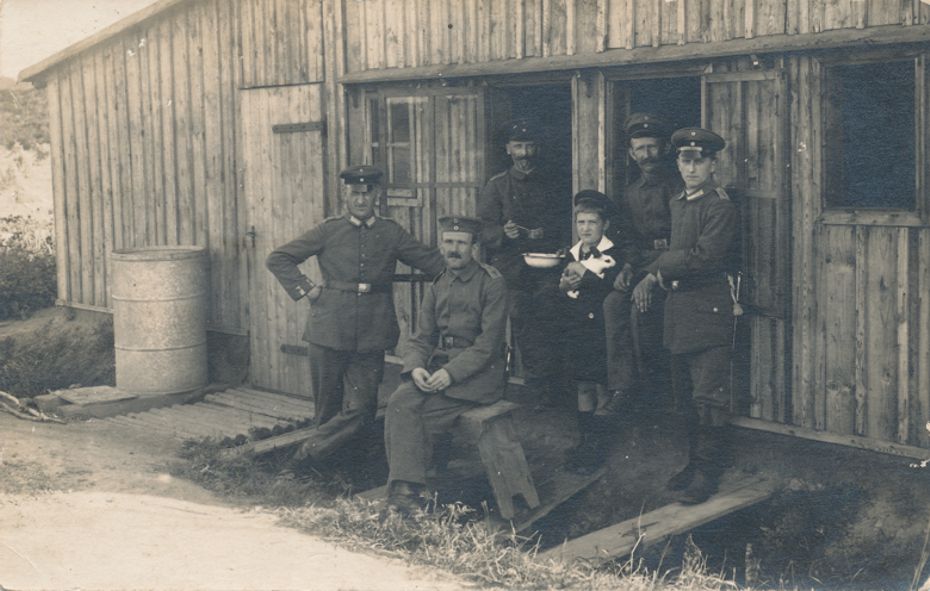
point(410, 33)
point(861, 316)
point(144, 132)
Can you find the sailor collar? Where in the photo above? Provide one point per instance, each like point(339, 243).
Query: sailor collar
point(604, 244)
point(358, 223)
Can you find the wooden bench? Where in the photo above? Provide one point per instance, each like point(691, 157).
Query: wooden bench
point(490, 429)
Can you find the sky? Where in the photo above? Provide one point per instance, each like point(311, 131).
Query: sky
point(31, 30)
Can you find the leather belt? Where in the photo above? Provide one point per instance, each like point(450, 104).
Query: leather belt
point(695, 283)
point(358, 287)
point(453, 342)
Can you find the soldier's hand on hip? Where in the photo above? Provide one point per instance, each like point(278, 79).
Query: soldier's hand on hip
point(315, 292)
point(440, 380)
point(625, 278)
point(642, 293)
point(511, 230)
point(420, 379)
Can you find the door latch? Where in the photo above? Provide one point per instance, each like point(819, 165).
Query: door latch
point(251, 234)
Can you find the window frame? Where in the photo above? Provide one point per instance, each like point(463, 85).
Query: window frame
point(880, 216)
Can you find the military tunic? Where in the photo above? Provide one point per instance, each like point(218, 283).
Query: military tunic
point(351, 253)
point(533, 201)
point(699, 308)
point(353, 321)
point(461, 329)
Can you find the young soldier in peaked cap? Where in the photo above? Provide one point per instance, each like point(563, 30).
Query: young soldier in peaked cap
point(699, 308)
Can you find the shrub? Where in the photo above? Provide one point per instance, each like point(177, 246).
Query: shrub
point(57, 355)
point(27, 267)
point(24, 113)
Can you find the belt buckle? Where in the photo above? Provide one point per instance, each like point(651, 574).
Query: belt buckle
point(364, 287)
point(448, 342)
point(660, 244)
point(675, 285)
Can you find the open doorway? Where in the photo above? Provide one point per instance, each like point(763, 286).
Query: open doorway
point(677, 100)
point(548, 104)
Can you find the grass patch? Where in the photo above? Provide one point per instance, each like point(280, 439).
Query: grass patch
point(455, 538)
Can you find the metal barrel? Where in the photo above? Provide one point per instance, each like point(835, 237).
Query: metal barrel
point(159, 319)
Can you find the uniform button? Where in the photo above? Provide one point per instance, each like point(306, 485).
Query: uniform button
point(715, 309)
point(591, 315)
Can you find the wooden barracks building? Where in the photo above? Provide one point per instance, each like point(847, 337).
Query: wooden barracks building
point(223, 123)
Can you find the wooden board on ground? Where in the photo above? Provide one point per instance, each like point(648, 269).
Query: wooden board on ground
point(94, 395)
point(555, 486)
point(650, 528)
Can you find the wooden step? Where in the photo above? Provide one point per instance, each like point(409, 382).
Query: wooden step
point(620, 539)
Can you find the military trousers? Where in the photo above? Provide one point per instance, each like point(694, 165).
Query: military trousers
point(618, 328)
point(536, 319)
point(411, 424)
point(345, 396)
point(701, 385)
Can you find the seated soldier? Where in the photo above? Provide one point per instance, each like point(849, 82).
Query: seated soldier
point(594, 263)
point(453, 363)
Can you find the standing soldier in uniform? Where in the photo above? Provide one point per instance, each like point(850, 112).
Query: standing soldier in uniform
point(453, 363)
point(525, 209)
point(699, 308)
point(352, 319)
point(642, 230)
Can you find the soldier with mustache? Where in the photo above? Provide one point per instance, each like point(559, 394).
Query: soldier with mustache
point(528, 209)
point(642, 232)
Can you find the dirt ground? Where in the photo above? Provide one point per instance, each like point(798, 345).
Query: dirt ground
point(91, 506)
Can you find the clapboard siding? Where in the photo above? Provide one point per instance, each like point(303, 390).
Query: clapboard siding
point(144, 135)
point(410, 33)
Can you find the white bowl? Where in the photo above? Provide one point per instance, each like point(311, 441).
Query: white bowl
point(542, 260)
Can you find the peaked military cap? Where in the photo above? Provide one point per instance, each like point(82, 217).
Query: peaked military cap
point(645, 125)
point(362, 174)
point(460, 224)
point(592, 198)
point(697, 142)
point(521, 130)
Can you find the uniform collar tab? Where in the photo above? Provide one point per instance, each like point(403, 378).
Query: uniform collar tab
point(358, 223)
point(464, 274)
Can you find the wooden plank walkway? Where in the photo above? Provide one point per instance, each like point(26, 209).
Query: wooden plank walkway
point(620, 539)
point(230, 413)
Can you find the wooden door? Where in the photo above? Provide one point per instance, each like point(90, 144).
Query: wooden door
point(746, 103)
point(282, 143)
point(431, 144)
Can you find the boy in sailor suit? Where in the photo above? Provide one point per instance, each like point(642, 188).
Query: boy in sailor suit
point(593, 264)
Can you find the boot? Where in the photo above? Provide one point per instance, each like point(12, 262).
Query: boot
point(405, 498)
point(710, 460)
point(575, 454)
point(594, 454)
point(681, 479)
